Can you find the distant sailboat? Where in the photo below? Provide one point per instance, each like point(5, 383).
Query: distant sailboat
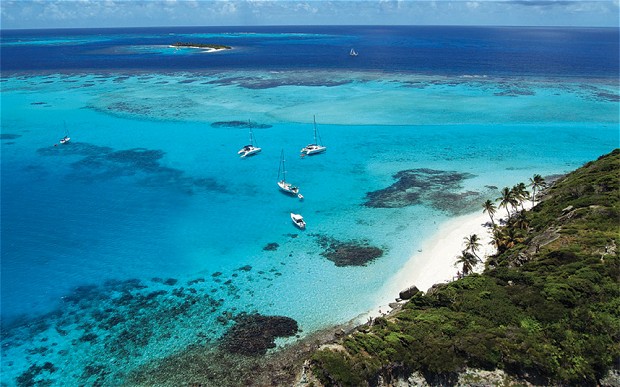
point(251, 149)
point(312, 149)
point(66, 138)
point(353, 52)
point(284, 186)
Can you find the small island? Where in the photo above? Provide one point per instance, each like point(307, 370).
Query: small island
point(204, 46)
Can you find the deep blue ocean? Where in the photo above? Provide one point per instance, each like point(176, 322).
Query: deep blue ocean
point(494, 51)
point(146, 234)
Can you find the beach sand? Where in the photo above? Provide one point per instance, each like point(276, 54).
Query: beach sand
point(435, 263)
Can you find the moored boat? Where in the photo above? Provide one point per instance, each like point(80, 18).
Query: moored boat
point(316, 147)
point(298, 220)
point(250, 149)
point(285, 186)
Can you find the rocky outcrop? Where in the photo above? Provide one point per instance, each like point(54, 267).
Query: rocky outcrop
point(408, 293)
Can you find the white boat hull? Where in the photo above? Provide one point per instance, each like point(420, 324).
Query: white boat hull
point(249, 151)
point(313, 149)
point(298, 221)
point(288, 188)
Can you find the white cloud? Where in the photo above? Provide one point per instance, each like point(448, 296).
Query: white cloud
point(118, 13)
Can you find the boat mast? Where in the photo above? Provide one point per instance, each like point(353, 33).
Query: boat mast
point(316, 132)
point(282, 167)
point(251, 133)
point(314, 119)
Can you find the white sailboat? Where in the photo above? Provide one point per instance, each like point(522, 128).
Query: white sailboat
point(316, 147)
point(283, 184)
point(353, 52)
point(66, 138)
point(298, 221)
point(250, 149)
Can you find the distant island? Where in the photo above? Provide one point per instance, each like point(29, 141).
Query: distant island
point(208, 46)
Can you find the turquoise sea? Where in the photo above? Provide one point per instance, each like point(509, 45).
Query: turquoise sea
point(147, 234)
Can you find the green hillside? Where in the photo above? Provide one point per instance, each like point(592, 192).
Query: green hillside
point(545, 310)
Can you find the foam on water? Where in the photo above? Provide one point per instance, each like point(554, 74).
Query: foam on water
point(150, 212)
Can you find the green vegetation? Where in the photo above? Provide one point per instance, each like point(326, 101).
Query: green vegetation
point(546, 309)
point(201, 45)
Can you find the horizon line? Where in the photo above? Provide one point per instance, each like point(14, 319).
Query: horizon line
point(308, 25)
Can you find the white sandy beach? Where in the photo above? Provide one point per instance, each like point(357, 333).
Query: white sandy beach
point(435, 262)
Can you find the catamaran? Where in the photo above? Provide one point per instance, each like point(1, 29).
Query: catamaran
point(251, 149)
point(283, 184)
point(353, 52)
point(316, 147)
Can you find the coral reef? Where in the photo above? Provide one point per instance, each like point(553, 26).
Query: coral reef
point(348, 253)
point(254, 334)
point(438, 189)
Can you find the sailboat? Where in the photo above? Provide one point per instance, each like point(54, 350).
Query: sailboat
point(284, 186)
point(251, 149)
point(66, 138)
point(353, 52)
point(312, 149)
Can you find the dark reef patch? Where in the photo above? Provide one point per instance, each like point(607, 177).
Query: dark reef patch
point(514, 92)
point(348, 253)
point(9, 136)
point(239, 125)
point(293, 79)
point(418, 186)
point(456, 203)
point(273, 246)
point(97, 163)
point(32, 376)
point(254, 334)
point(119, 318)
point(608, 96)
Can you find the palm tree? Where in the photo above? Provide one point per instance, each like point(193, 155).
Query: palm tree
point(512, 237)
point(467, 260)
point(537, 182)
point(520, 194)
point(489, 207)
point(521, 221)
point(472, 243)
point(498, 239)
point(506, 199)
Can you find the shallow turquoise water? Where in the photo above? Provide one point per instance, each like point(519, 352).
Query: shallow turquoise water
point(148, 190)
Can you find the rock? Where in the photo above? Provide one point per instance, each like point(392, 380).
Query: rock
point(567, 209)
point(408, 293)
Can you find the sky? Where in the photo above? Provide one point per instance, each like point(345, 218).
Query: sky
point(19, 14)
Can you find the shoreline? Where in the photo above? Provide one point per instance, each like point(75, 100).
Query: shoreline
point(434, 263)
